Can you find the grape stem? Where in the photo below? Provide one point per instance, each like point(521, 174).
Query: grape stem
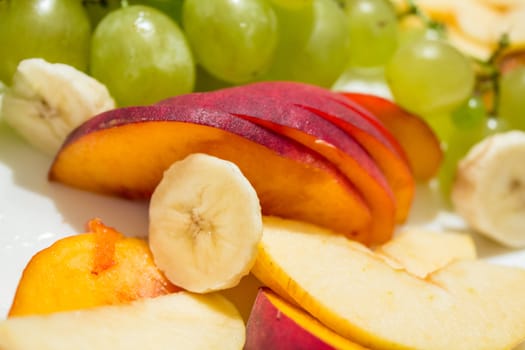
point(414, 10)
point(489, 73)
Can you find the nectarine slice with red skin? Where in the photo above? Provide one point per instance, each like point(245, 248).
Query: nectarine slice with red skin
point(125, 152)
point(420, 143)
point(258, 99)
point(381, 145)
point(279, 325)
point(318, 134)
point(100, 267)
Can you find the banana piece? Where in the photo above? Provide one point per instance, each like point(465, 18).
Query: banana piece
point(205, 224)
point(48, 100)
point(489, 189)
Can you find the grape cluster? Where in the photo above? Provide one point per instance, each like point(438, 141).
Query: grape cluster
point(147, 50)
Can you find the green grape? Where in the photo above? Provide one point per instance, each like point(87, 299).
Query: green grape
point(470, 114)
point(98, 9)
point(456, 147)
point(496, 125)
point(313, 44)
point(142, 56)
point(430, 77)
point(512, 98)
point(56, 30)
point(410, 33)
point(459, 141)
point(373, 31)
point(233, 40)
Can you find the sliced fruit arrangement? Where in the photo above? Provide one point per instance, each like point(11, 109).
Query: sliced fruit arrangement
point(313, 302)
point(310, 116)
point(126, 151)
point(100, 267)
point(332, 292)
point(360, 296)
point(188, 320)
point(488, 192)
point(344, 169)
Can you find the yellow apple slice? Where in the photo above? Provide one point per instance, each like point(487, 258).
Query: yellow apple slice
point(181, 320)
point(421, 252)
point(468, 304)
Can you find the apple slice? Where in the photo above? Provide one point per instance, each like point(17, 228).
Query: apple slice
point(181, 320)
point(125, 152)
point(267, 109)
point(278, 325)
point(419, 142)
point(422, 252)
point(467, 304)
point(100, 267)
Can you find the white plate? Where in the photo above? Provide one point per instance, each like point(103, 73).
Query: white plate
point(34, 213)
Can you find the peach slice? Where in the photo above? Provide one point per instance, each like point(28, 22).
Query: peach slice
point(279, 325)
point(125, 152)
point(419, 142)
point(267, 109)
point(101, 267)
point(359, 125)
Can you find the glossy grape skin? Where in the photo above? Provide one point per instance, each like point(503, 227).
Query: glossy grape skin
point(233, 40)
point(470, 114)
point(430, 77)
point(456, 146)
point(314, 44)
point(55, 30)
point(152, 63)
point(512, 98)
point(373, 31)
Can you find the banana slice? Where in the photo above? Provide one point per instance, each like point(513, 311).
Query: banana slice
point(489, 189)
point(48, 100)
point(205, 224)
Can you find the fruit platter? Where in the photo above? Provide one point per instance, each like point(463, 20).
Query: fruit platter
point(262, 174)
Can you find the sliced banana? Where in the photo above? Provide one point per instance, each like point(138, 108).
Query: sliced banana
point(489, 189)
point(205, 224)
point(48, 100)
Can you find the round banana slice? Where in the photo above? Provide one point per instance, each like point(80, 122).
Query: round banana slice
point(489, 189)
point(205, 224)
